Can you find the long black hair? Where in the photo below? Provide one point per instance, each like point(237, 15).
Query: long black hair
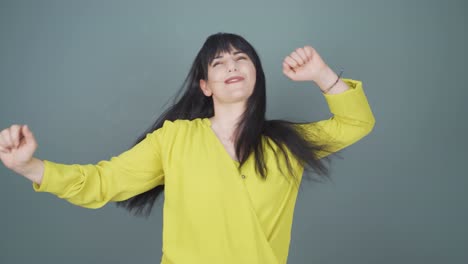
point(252, 128)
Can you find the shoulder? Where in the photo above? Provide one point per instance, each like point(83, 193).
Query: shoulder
point(179, 132)
point(182, 126)
point(184, 123)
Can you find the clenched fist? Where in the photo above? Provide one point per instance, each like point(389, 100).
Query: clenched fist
point(304, 64)
point(17, 146)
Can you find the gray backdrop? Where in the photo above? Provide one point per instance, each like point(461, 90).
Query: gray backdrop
point(88, 77)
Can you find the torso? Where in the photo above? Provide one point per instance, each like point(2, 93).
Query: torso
point(228, 144)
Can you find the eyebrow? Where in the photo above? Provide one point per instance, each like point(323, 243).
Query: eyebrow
point(220, 56)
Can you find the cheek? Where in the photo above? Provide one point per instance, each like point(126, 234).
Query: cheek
point(252, 71)
point(215, 77)
point(253, 75)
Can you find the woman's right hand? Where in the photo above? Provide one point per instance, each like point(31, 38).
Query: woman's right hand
point(17, 146)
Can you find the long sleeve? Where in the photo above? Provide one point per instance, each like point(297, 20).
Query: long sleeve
point(93, 185)
point(352, 119)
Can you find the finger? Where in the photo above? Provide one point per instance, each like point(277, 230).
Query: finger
point(4, 150)
point(302, 54)
point(297, 58)
point(309, 51)
point(7, 138)
point(22, 138)
point(292, 63)
point(291, 69)
point(286, 68)
point(28, 135)
point(288, 71)
point(15, 134)
point(3, 143)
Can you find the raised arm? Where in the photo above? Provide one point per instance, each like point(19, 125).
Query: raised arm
point(352, 119)
point(352, 115)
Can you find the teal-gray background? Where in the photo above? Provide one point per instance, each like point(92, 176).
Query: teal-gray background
point(88, 77)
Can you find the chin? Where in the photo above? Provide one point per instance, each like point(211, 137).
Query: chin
point(235, 99)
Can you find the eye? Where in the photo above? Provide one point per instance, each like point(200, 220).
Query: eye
point(239, 58)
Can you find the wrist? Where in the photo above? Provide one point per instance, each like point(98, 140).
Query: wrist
point(32, 170)
point(326, 79)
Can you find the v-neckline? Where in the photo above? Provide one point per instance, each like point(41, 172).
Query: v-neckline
point(207, 121)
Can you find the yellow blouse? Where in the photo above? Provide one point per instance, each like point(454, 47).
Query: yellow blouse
point(213, 211)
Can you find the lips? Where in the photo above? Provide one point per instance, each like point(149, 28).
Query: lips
point(233, 79)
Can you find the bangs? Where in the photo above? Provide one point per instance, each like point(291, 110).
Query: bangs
point(225, 44)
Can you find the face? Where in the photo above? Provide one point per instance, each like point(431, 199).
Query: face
point(222, 68)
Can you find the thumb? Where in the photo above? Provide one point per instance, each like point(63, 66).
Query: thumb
point(28, 135)
point(287, 70)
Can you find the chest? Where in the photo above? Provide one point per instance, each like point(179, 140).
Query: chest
point(204, 173)
point(227, 143)
point(230, 149)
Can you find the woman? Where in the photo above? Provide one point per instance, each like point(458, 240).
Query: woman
point(230, 177)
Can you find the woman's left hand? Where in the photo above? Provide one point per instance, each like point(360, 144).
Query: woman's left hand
point(304, 64)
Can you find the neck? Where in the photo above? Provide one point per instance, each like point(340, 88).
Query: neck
point(226, 118)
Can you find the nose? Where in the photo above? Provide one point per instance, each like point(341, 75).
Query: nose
point(232, 65)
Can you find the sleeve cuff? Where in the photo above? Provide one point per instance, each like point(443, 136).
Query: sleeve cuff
point(352, 84)
point(351, 103)
point(45, 179)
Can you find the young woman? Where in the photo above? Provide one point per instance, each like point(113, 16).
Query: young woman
point(230, 176)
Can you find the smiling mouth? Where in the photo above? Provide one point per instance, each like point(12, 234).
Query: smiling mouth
point(236, 81)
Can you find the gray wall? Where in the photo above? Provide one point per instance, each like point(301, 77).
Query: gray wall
point(89, 76)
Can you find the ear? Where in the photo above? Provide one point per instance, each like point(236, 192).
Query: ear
point(206, 91)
